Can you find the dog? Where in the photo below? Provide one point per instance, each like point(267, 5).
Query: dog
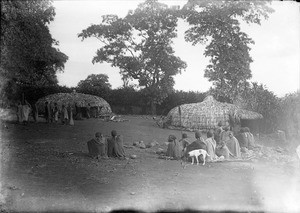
point(196, 153)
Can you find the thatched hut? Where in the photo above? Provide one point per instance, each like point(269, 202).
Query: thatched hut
point(76, 100)
point(205, 115)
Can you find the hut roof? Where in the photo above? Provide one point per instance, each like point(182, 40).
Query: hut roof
point(205, 114)
point(80, 99)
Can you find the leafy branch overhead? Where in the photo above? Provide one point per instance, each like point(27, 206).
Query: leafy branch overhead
point(140, 44)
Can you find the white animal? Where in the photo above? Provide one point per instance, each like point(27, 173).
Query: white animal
point(196, 153)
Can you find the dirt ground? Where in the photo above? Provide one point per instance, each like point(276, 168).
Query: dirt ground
point(45, 167)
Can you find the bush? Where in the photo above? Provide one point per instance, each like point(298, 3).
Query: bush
point(259, 99)
point(290, 115)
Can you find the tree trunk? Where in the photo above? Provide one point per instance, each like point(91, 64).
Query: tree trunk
point(153, 108)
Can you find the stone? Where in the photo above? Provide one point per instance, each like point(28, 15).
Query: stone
point(159, 151)
point(152, 144)
point(141, 145)
point(133, 156)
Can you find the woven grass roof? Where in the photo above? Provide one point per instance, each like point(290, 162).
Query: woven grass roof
point(206, 114)
point(80, 99)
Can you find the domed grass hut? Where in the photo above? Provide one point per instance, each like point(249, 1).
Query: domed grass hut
point(97, 106)
point(206, 115)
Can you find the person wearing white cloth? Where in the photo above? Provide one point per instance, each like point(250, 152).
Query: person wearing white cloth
point(26, 109)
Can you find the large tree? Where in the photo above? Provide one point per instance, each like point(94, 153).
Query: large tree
point(29, 56)
point(95, 85)
point(217, 24)
point(140, 45)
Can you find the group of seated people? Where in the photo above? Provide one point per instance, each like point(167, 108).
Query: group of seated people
point(220, 144)
point(101, 147)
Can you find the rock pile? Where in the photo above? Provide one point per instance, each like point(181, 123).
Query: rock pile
point(142, 145)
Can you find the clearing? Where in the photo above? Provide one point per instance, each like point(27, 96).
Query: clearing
point(45, 167)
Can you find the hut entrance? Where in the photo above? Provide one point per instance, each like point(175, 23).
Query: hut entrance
point(254, 125)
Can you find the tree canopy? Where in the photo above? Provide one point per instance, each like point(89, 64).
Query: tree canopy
point(95, 85)
point(140, 44)
point(217, 24)
point(28, 52)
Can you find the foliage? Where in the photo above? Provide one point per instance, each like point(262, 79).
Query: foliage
point(218, 24)
point(259, 99)
point(290, 115)
point(95, 85)
point(27, 53)
point(124, 99)
point(140, 45)
point(177, 98)
point(32, 94)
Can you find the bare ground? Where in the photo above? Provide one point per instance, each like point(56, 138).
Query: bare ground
point(45, 167)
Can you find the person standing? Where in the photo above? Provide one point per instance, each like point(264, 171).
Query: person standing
point(19, 112)
point(88, 111)
point(26, 109)
point(70, 113)
point(64, 116)
point(56, 111)
point(35, 112)
point(51, 112)
point(47, 112)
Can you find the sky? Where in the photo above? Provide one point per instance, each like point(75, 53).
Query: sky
point(275, 54)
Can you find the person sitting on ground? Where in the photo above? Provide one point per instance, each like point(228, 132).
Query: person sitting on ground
point(174, 148)
point(224, 136)
point(184, 140)
point(222, 151)
point(233, 145)
point(97, 146)
point(251, 140)
point(243, 140)
point(115, 145)
point(210, 146)
point(218, 131)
